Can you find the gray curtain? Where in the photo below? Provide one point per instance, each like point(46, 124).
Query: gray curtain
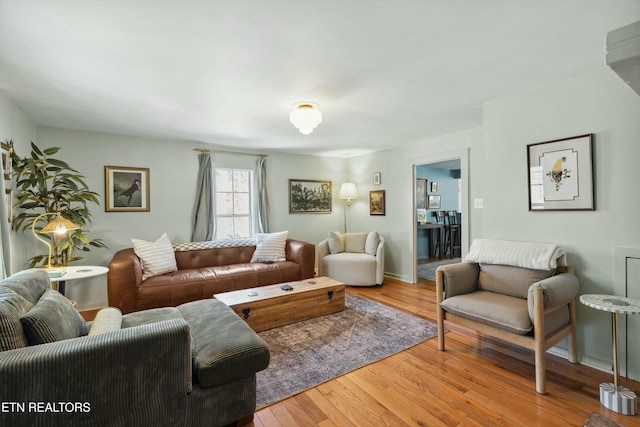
point(203, 223)
point(263, 199)
point(5, 240)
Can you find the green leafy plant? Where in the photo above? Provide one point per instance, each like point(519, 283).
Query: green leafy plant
point(45, 184)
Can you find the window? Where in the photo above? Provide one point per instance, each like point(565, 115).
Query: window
point(233, 203)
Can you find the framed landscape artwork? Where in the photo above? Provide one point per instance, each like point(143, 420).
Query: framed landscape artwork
point(126, 189)
point(560, 174)
point(377, 202)
point(309, 196)
point(434, 202)
point(421, 193)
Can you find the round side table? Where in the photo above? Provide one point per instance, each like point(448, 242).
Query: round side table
point(614, 396)
point(78, 272)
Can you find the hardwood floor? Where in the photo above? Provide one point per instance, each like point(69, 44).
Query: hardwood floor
point(475, 382)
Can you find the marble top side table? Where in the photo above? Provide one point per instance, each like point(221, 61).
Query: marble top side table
point(614, 396)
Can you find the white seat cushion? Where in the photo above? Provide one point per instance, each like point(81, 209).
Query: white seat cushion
point(354, 269)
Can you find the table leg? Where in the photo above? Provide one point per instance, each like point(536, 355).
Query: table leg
point(614, 396)
point(61, 286)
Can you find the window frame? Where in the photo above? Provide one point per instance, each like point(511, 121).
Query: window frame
point(251, 215)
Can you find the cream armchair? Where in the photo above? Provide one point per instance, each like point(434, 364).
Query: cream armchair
point(355, 259)
point(520, 292)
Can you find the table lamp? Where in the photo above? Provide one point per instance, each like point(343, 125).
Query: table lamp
point(57, 225)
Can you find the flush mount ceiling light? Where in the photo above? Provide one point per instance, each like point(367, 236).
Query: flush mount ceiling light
point(305, 116)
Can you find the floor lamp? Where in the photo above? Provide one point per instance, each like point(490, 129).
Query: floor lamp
point(347, 193)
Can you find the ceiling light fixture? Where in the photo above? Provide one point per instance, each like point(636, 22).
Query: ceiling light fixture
point(305, 116)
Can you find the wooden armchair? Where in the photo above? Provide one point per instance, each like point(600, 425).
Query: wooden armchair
point(529, 307)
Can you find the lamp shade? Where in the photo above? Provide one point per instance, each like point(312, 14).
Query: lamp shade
point(305, 117)
point(348, 191)
point(59, 225)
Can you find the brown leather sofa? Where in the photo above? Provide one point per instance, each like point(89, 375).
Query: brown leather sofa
point(201, 274)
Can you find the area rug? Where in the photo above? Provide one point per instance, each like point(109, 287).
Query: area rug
point(428, 271)
point(308, 353)
point(598, 420)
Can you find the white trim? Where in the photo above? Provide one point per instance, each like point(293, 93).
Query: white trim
point(620, 256)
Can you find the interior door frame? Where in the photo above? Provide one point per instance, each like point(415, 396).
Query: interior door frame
point(463, 156)
point(620, 284)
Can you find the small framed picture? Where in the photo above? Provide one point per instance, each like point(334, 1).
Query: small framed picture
point(421, 216)
point(377, 178)
point(434, 201)
point(434, 186)
point(377, 202)
point(7, 151)
point(560, 174)
point(126, 189)
point(309, 196)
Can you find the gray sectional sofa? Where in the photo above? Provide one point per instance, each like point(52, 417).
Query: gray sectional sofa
point(191, 365)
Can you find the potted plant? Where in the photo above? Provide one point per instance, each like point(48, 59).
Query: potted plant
point(48, 185)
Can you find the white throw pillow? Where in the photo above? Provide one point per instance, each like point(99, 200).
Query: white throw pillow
point(270, 247)
point(354, 242)
point(336, 242)
point(371, 246)
point(156, 257)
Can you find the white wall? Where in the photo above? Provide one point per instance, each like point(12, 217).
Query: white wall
point(596, 102)
point(396, 166)
point(173, 168)
point(16, 126)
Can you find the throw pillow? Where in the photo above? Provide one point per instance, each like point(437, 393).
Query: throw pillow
point(270, 247)
point(12, 307)
point(336, 242)
point(371, 245)
point(107, 320)
point(52, 319)
point(509, 280)
point(156, 257)
point(355, 242)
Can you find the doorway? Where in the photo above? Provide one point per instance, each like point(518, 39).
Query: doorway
point(447, 188)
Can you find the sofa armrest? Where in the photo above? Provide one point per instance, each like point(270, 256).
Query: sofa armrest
point(458, 279)
point(558, 291)
point(226, 348)
point(123, 279)
point(303, 254)
point(124, 377)
point(380, 262)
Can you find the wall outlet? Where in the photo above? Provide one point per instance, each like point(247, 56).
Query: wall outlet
point(478, 203)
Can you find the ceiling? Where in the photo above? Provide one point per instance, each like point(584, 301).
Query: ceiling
point(385, 73)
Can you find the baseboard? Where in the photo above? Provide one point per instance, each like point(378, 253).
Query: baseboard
point(398, 277)
point(600, 365)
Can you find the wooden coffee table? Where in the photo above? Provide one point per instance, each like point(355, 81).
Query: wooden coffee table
point(267, 307)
